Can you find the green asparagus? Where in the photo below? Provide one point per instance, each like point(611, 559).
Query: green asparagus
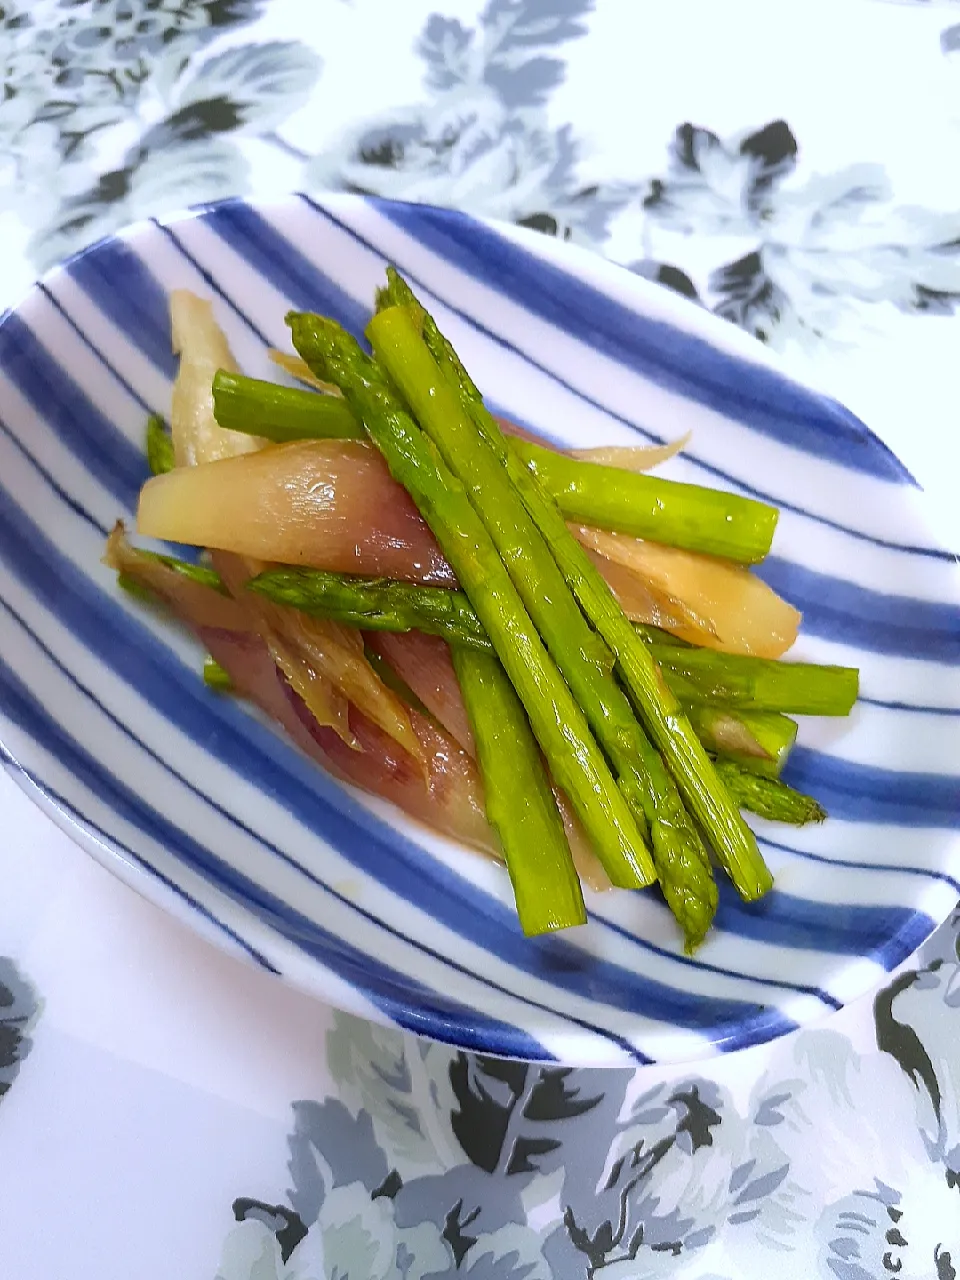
point(758, 684)
point(684, 515)
point(681, 515)
point(393, 680)
point(759, 741)
point(692, 770)
point(518, 798)
point(696, 676)
point(280, 413)
point(374, 604)
point(215, 676)
point(198, 573)
point(768, 797)
point(159, 446)
point(682, 863)
point(575, 759)
point(583, 658)
point(569, 638)
point(136, 589)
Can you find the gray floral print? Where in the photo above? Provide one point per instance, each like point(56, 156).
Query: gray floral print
point(815, 248)
point(430, 1162)
point(130, 92)
point(19, 1008)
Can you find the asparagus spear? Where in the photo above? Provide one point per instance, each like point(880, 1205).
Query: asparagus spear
point(558, 723)
point(758, 684)
point(681, 862)
point(692, 770)
point(198, 573)
point(696, 676)
point(374, 604)
point(681, 515)
point(393, 680)
point(768, 797)
point(519, 802)
point(136, 589)
point(583, 658)
point(518, 799)
point(759, 741)
point(281, 413)
point(698, 519)
point(215, 676)
point(656, 635)
point(159, 446)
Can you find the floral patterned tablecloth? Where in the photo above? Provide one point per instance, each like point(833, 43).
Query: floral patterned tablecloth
point(168, 1112)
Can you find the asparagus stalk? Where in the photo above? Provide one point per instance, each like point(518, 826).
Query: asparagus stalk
point(393, 680)
point(375, 604)
point(136, 589)
point(759, 741)
point(768, 797)
point(656, 635)
point(758, 684)
point(680, 515)
point(682, 864)
point(561, 729)
point(215, 676)
point(279, 413)
point(697, 518)
point(198, 573)
point(583, 659)
point(159, 446)
point(692, 770)
point(519, 802)
point(681, 860)
point(696, 676)
point(518, 798)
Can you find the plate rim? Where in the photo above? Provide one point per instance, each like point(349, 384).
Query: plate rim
point(148, 882)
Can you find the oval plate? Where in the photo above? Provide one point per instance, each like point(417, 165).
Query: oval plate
point(200, 805)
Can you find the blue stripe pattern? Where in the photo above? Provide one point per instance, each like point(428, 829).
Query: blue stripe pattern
point(726, 478)
point(130, 296)
point(641, 1000)
point(872, 620)
point(686, 365)
point(135, 657)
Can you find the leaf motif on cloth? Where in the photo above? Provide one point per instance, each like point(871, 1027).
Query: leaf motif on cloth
point(510, 1114)
point(19, 1009)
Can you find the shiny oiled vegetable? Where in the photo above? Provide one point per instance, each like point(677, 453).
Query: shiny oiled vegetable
point(519, 802)
point(736, 610)
point(425, 367)
point(663, 718)
point(323, 661)
point(203, 349)
point(612, 497)
point(445, 793)
point(581, 656)
point(329, 504)
point(342, 526)
point(559, 724)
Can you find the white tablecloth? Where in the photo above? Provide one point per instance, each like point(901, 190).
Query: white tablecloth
point(173, 1113)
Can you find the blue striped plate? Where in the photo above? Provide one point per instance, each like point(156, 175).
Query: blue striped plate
point(199, 804)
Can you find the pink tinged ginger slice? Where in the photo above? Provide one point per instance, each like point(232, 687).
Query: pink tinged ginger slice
point(446, 795)
point(328, 504)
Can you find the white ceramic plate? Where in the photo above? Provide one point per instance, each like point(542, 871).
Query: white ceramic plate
point(196, 802)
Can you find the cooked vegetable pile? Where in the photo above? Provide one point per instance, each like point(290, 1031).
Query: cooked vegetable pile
point(551, 656)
